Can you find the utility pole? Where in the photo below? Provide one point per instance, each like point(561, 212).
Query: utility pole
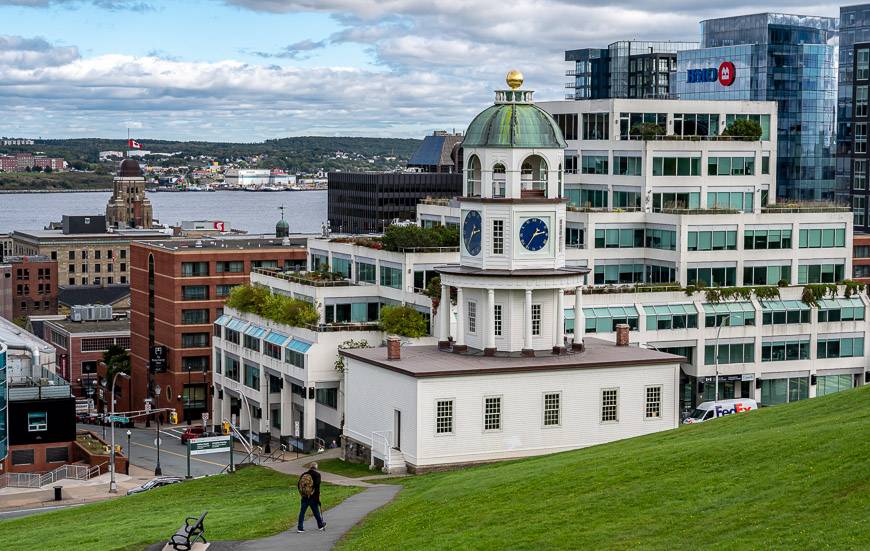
point(113, 486)
point(157, 470)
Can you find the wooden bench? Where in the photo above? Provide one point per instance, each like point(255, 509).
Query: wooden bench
point(188, 534)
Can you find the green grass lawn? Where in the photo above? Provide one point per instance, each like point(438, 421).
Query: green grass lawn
point(790, 477)
point(252, 503)
point(343, 468)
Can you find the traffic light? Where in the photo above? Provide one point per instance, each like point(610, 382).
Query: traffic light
point(226, 428)
point(173, 417)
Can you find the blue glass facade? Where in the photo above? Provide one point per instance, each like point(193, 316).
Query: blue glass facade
point(789, 59)
point(852, 109)
point(4, 404)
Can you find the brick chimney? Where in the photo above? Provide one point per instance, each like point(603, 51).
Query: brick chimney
point(622, 334)
point(394, 348)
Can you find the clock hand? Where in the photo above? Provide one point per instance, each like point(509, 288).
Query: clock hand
point(474, 231)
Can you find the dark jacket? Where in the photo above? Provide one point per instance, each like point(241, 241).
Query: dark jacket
point(316, 477)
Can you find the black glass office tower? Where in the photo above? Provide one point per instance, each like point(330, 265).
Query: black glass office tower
point(784, 58)
point(852, 112)
point(625, 69)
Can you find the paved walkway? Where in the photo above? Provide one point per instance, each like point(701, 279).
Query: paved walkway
point(339, 520)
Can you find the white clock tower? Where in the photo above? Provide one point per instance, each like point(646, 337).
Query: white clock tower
point(511, 278)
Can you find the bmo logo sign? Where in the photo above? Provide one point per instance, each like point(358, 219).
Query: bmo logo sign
point(725, 74)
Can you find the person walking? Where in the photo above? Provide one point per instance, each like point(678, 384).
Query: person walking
point(309, 491)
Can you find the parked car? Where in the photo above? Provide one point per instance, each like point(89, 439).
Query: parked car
point(154, 483)
point(193, 431)
point(711, 410)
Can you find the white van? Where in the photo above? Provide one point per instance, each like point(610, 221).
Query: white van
point(711, 410)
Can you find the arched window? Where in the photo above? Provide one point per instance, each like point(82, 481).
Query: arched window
point(534, 176)
point(472, 177)
point(499, 178)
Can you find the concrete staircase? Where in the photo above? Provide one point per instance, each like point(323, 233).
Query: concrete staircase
point(395, 463)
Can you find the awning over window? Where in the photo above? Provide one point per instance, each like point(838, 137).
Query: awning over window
point(236, 324)
point(667, 309)
point(277, 338)
point(610, 312)
point(255, 331)
point(222, 320)
point(782, 305)
point(299, 346)
point(834, 303)
point(728, 307)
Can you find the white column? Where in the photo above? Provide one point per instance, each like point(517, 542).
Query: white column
point(286, 408)
point(225, 411)
point(444, 314)
point(560, 318)
point(490, 318)
point(460, 317)
point(216, 408)
point(309, 431)
point(579, 318)
point(527, 321)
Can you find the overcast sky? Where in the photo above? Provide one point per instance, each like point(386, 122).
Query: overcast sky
point(248, 70)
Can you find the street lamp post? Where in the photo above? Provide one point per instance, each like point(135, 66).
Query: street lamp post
point(716, 354)
point(113, 486)
point(157, 470)
point(129, 449)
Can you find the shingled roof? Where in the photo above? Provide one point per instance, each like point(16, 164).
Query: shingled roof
point(79, 295)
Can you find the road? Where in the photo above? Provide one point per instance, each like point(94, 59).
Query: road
point(173, 454)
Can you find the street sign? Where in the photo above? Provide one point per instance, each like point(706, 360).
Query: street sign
point(205, 418)
point(158, 358)
point(119, 419)
point(296, 429)
point(211, 444)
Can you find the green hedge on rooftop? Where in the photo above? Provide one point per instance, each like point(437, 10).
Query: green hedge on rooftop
point(278, 308)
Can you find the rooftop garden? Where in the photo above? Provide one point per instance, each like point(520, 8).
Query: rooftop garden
point(408, 239)
point(403, 321)
point(741, 130)
point(278, 308)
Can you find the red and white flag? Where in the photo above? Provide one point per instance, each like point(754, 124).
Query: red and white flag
point(133, 144)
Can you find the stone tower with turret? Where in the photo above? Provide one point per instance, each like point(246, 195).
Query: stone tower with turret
point(129, 207)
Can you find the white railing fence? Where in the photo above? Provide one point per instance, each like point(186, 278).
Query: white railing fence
point(384, 437)
point(38, 480)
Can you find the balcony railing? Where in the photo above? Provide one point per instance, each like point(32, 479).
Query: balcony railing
point(334, 327)
point(439, 201)
point(697, 211)
point(804, 207)
point(677, 138)
point(303, 278)
point(429, 249)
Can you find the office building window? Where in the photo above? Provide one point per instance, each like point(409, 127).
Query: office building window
point(782, 391)
point(327, 396)
point(720, 276)
point(272, 350)
point(862, 64)
point(712, 240)
point(194, 317)
point(194, 340)
point(232, 368)
point(365, 272)
point(858, 204)
point(860, 137)
point(820, 273)
point(859, 174)
point(730, 166)
point(666, 201)
point(223, 290)
point(627, 166)
point(840, 309)
point(671, 316)
point(498, 237)
point(594, 164)
point(194, 363)
point(653, 407)
point(37, 421)
point(574, 237)
point(596, 126)
point(609, 405)
point(231, 336)
point(552, 409)
point(567, 124)
point(736, 200)
point(252, 376)
point(497, 320)
point(194, 292)
point(781, 349)
point(193, 269)
point(729, 353)
point(839, 347)
point(230, 266)
point(492, 413)
point(619, 238)
point(830, 384)
point(444, 417)
point(767, 275)
point(251, 343)
point(536, 319)
point(391, 277)
point(629, 200)
point(294, 357)
point(676, 166)
point(822, 238)
point(767, 239)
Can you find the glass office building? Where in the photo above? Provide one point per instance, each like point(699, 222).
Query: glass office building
point(852, 112)
point(625, 69)
point(790, 59)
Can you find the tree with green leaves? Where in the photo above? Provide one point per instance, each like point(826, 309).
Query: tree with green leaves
point(646, 131)
point(403, 321)
point(117, 360)
point(744, 130)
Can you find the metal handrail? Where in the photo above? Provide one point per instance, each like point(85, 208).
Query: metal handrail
point(385, 435)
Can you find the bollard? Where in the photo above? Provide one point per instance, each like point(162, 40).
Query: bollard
point(58, 493)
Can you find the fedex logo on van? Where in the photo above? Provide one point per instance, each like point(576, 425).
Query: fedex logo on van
point(737, 408)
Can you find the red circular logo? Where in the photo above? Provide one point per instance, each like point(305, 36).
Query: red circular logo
point(727, 73)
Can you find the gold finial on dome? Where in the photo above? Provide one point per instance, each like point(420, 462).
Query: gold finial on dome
point(514, 79)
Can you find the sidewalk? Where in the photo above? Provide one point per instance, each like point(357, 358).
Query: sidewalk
point(74, 491)
point(339, 520)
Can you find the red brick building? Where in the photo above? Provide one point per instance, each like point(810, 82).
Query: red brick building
point(28, 286)
point(861, 257)
point(177, 289)
point(80, 346)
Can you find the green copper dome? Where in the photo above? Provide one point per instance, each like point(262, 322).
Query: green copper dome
point(514, 125)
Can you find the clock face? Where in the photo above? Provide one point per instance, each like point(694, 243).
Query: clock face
point(534, 234)
point(471, 232)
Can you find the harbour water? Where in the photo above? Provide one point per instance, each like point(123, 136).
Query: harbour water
point(253, 212)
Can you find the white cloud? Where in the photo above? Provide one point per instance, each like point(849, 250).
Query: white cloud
point(436, 65)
